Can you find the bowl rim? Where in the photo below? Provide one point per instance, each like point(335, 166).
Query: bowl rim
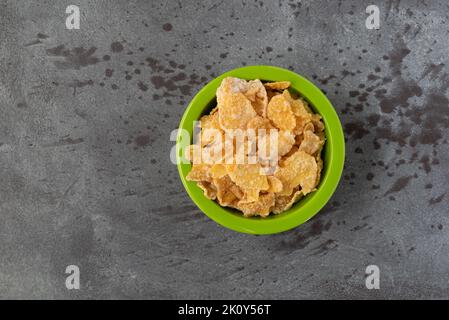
point(304, 209)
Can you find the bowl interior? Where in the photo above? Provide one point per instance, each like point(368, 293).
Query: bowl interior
point(333, 154)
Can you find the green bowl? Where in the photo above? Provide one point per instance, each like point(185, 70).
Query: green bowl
point(333, 154)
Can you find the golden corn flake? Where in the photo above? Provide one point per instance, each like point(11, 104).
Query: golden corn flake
point(248, 176)
point(298, 106)
point(257, 94)
point(218, 171)
point(224, 194)
point(275, 185)
point(262, 207)
point(285, 142)
point(235, 112)
point(212, 153)
point(309, 127)
point(283, 203)
point(280, 85)
point(210, 121)
point(301, 122)
point(260, 149)
point(250, 195)
point(258, 122)
point(228, 87)
point(279, 111)
point(280, 139)
point(300, 169)
point(253, 90)
point(311, 143)
point(199, 172)
point(209, 189)
point(237, 191)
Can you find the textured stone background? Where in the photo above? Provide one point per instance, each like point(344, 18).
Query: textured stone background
point(84, 149)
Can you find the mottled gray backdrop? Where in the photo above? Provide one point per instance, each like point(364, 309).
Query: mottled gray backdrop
point(85, 176)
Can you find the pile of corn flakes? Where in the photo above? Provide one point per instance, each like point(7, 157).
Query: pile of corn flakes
point(253, 182)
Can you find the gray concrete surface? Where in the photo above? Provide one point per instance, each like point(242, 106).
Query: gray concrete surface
point(84, 149)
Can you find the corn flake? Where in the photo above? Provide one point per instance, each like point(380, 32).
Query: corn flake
point(248, 176)
point(199, 172)
point(235, 112)
point(279, 111)
point(280, 85)
point(224, 194)
point(218, 171)
point(262, 207)
point(275, 185)
point(257, 94)
point(311, 143)
point(283, 203)
point(300, 169)
point(209, 189)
